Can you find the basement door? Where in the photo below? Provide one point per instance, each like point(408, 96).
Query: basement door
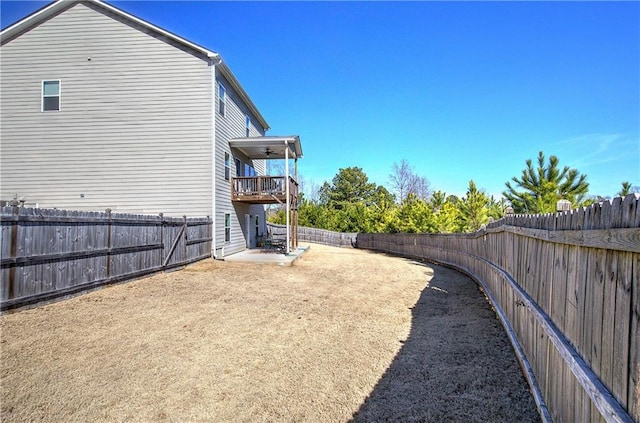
point(251, 230)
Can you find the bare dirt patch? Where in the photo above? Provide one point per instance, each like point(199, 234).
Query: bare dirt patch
point(343, 334)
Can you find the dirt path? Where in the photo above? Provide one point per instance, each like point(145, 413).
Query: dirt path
point(343, 334)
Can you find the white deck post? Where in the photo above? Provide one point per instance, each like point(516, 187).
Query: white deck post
point(286, 181)
point(295, 215)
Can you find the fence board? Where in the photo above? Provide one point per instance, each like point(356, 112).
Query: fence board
point(622, 326)
point(554, 388)
point(572, 326)
point(559, 281)
point(540, 354)
point(596, 311)
point(633, 389)
point(568, 395)
point(608, 318)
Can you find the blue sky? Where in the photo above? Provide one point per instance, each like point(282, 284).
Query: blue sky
point(462, 90)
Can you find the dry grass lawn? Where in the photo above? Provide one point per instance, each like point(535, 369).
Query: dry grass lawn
point(343, 334)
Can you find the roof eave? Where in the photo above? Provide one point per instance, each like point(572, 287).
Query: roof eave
point(176, 38)
point(33, 19)
point(291, 142)
point(229, 76)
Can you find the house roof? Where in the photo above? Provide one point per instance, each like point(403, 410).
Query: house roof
point(268, 147)
point(59, 6)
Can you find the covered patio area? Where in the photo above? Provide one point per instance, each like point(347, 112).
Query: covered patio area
point(268, 256)
point(271, 189)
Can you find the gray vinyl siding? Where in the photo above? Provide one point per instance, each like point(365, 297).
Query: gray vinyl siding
point(134, 130)
point(233, 125)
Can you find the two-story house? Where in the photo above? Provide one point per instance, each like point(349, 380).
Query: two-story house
point(101, 109)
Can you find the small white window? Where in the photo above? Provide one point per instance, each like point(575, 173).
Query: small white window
point(247, 124)
point(227, 227)
point(222, 99)
point(50, 95)
point(227, 166)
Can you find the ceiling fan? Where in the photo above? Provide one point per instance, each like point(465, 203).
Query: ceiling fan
point(267, 152)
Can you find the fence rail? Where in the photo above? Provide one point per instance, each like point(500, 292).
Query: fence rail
point(567, 286)
point(46, 254)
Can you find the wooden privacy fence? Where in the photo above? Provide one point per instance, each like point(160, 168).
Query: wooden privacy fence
point(320, 236)
point(48, 253)
point(567, 288)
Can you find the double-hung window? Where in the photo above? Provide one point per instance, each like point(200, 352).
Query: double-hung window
point(227, 227)
point(247, 124)
point(227, 166)
point(222, 98)
point(50, 95)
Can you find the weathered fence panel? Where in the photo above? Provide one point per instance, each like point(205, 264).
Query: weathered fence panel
point(319, 236)
point(49, 253)
point(568, 285)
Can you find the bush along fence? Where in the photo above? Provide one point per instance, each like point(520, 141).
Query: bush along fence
point(567, 289)
point(49, 253)
point(319, 236)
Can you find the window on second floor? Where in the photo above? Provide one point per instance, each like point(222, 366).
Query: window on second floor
point(227, 166)
point(249, 170)
point(247, 124)
point(222, 98)
point(50, 95)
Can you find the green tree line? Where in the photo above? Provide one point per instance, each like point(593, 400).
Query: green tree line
point(351, 203)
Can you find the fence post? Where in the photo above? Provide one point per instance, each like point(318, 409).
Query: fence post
point(14, 250)
point(186, 237)
point(108, 211)
point(162, 226)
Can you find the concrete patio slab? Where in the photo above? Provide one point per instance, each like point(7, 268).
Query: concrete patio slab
point(262, 256)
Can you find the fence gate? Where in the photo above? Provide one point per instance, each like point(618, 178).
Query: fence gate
point(175, 243)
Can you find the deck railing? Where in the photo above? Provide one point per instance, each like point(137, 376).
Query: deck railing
point(262, 186)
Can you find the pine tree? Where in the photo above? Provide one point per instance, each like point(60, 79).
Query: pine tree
point(541, 187)
point(474, 209)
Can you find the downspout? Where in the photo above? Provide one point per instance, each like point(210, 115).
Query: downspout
point(214, 60)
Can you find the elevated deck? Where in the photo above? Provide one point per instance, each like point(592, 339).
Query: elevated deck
point(263, 189)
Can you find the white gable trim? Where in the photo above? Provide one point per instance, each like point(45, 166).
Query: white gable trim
point(60, 5)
